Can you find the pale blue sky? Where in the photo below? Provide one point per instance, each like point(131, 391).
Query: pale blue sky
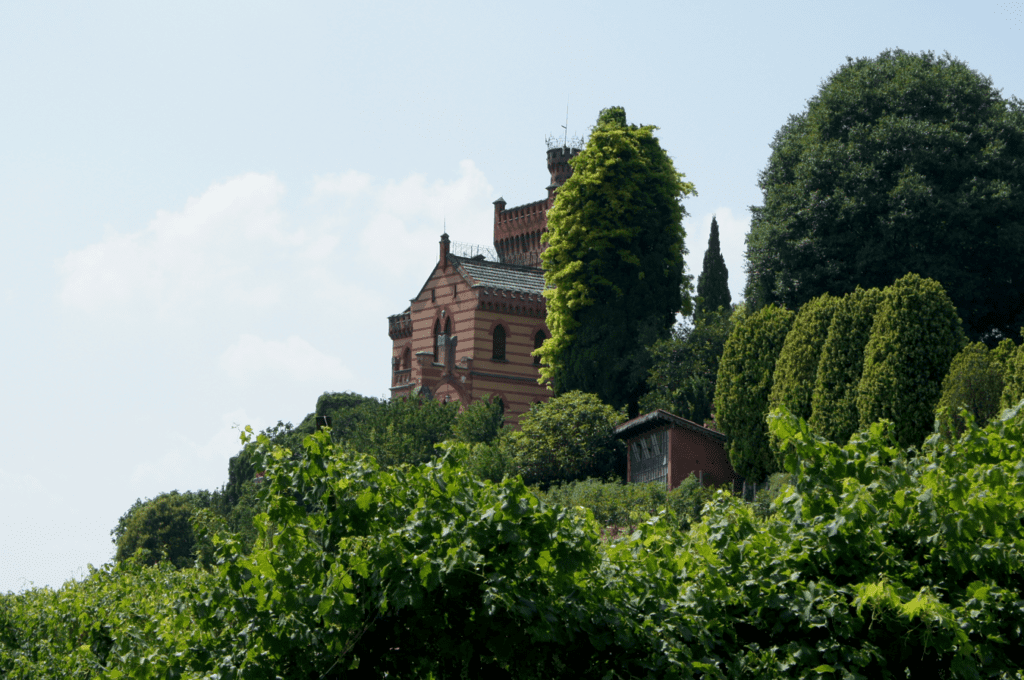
point(208, 210)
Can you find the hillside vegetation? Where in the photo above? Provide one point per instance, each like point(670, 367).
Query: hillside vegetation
point(880, 562)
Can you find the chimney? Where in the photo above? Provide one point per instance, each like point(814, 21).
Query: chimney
point(445, 246)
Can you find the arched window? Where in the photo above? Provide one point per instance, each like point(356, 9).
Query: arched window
point(538, 340)
point(448, 326)
point(498, 343)
point(437, 332)
point(407, 359)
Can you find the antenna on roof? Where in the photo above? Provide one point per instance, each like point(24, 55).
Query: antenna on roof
point(565, 139)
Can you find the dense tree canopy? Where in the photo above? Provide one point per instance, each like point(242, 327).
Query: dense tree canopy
point(684, 368)
point(713, 282)
point(901, 163)
point(614, 262)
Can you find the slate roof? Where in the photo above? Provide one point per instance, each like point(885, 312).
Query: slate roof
point(511, 277)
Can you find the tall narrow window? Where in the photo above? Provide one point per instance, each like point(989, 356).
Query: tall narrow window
point(538, 340)
point(498, 343)
point(407, 359)
point(437, 332)
point(448, 326)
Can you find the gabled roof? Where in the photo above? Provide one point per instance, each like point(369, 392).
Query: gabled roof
point(659, 418)
point(511, 277)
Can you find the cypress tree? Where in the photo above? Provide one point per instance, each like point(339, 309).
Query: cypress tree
point(834, 401)
point(914, 338)
point(743, 385)
point(713, 282)
point(797, 367)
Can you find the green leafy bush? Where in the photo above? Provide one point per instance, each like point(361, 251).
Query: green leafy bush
point(479, 422)
point(403, 430)
point(914, 337)
point(744, 383)
point(834, 400)
point(568, 437)
point(974, 382)
point(615, 504)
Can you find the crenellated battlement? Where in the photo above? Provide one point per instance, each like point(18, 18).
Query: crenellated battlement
point(518, 230)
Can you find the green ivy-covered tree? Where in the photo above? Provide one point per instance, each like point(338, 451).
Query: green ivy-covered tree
point(915, 335)
point(713, 282)
point(901, 163)
point(975, 382)
point(834, 413)
point(744, 383)
point(568, 437)
point(614, 262)
point(684, 368)
point(797, 367)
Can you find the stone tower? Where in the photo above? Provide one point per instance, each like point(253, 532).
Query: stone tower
point(517, 230)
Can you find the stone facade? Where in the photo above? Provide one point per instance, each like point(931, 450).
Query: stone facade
point(472, 328)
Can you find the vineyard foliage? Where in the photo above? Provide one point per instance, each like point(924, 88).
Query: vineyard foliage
point(876, 563)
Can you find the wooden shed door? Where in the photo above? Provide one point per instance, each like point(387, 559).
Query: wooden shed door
point(648, 458)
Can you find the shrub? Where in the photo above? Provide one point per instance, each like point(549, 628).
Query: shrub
point(1013, 377)
point(974, 382)
point(744, 383)
point(915, 335)
point(834, 400)
point(569, 437)
point(480, 421)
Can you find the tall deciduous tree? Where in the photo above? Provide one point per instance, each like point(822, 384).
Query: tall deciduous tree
point(713, 282)
point(915, 335)
point(744, 383)
point(614, 262)
point(902, 163)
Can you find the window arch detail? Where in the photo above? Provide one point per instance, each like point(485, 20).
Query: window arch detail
point(498, 343)
point(538, 340)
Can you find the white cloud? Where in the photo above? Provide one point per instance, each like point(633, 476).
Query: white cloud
point(732, 232)
point(187, 465)
point(209, 252)
point(294, 359)
point(398, 220)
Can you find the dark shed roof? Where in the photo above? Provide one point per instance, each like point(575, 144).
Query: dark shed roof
point(480, 272)
point(655, 419)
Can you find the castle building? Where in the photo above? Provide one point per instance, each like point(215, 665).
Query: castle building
point(472, 328)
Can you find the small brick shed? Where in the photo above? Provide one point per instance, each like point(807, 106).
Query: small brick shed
point(664, 447)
